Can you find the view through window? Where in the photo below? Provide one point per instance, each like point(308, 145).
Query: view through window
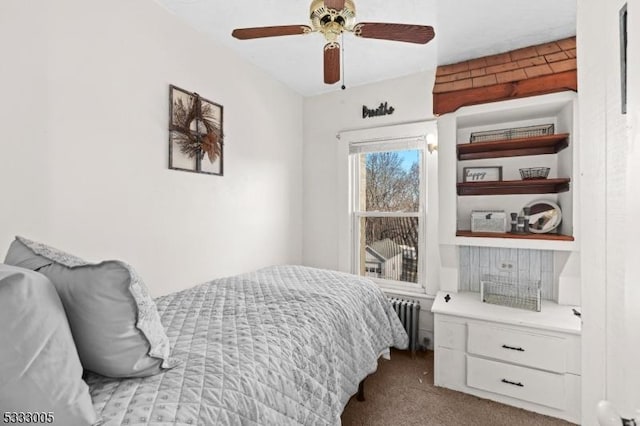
point(388, 214)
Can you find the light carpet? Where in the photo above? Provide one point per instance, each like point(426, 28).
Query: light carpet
point(401, 392)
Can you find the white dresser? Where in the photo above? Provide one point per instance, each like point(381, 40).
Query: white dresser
point(522, 358)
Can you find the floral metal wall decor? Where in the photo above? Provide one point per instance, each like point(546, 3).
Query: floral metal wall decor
point(196, 139)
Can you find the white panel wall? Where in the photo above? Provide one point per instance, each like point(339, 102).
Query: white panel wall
point(514, 265)
point(83, 152)
point(609, 208)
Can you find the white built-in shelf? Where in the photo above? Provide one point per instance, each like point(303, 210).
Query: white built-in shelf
point(549, 237)
point(511, 193)
point(466, 239)
point(552, 317)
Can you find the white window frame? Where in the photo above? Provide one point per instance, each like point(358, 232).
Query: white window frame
point(386, 145)
point(409, 130)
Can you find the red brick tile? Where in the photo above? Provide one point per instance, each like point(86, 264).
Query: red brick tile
point(460, 67)
point(442, 87)
point(502, 68)
point(569, 64)
point(478, 72)
point(530, 62)
point(444, 70)
point(454, 77)
point(524, 53)
point(514, 75)
point(571, 53)
point(548, 48)
point(477, 63)
point(452, 68)
point(486, 80)
point(452, 86)
point(555, 57)
point(567, 43)
point(462, 84)
point(498, 59)
point(538, 71)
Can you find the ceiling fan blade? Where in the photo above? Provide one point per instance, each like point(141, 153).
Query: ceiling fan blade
point(420, 34)
point(334, 4)
point(260, 32)
point(331, 63)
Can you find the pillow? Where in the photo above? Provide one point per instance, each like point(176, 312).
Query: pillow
point(114, 321)
point(40, 371)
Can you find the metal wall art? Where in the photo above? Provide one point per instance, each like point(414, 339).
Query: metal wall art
point(195, 133)
point(383, 109)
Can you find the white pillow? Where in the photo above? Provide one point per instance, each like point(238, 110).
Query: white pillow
point(114, 321)
point(40, 372)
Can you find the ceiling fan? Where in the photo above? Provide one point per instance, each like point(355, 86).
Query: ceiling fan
point(333, 17)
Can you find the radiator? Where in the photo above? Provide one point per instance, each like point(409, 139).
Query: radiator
point(409, 313)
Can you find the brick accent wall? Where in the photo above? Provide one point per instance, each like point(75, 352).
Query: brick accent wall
point(549, 67)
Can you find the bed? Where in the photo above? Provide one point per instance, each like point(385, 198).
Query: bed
point(282, 345)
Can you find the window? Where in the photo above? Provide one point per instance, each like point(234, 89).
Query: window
point(388, 215)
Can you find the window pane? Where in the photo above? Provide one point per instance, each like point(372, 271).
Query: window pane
point(390, 181)
point(389, 248)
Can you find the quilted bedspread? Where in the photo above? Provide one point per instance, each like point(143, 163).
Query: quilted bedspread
point(282, 345)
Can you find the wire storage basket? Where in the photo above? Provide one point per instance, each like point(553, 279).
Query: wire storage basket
point(513, 133)
point(505, 291)
point(534, 173)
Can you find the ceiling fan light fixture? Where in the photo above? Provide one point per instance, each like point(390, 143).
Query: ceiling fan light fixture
point(321, 15)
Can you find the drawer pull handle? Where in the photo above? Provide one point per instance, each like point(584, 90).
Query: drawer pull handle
point(512, 383)
point(513, 348)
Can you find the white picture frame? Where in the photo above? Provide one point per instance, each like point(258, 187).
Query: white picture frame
point(482, 174)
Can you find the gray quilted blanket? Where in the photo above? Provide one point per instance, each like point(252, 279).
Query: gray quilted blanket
point(282, 345)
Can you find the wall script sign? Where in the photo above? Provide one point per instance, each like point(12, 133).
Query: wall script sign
point(383, 109)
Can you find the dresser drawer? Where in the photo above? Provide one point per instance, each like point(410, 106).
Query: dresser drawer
point(450, 334)
point(519, 347)
point(539, 387)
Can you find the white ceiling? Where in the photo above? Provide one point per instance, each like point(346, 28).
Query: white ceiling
point(465, 29)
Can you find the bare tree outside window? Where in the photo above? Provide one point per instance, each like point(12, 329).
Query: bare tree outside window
point(391, 184)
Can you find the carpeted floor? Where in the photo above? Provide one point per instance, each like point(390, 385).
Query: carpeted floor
point(401, 392)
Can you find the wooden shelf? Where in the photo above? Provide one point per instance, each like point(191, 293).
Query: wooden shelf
point(506, 187)
point(546, 237)
point(538, 145)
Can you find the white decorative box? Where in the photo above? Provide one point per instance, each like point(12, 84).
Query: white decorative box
point(488, 221)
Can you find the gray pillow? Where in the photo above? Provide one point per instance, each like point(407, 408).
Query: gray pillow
point(40, 371)
point(114, 321)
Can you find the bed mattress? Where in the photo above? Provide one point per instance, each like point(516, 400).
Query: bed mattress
point(282, 345)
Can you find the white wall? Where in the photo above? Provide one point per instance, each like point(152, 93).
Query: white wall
point(83, 152)
point(325, 176)
point(610, 205)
